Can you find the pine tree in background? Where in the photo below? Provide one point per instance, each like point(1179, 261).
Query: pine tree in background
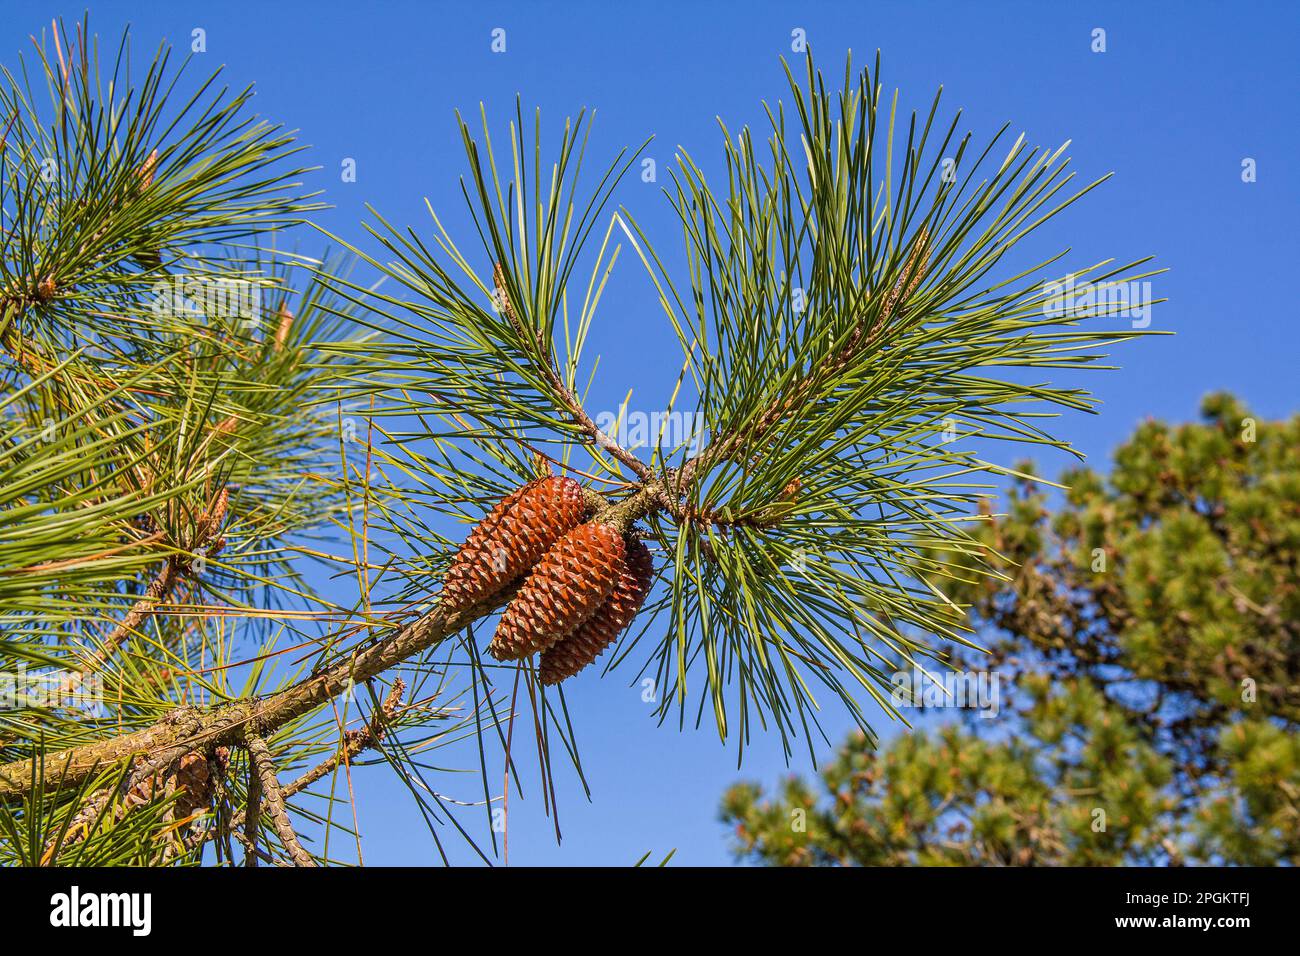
point(852, 326)
point(1149, 624)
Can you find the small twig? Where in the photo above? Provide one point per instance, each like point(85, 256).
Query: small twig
point(571, 404)
point(158, 588)
point(803, 388)
point(174, 568)
point(253, 851)
point(263, 770)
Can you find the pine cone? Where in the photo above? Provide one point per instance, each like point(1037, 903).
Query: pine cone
point(566, 587)
point(145, 173)
point(191, 780)
point(574, 652)
point(511, 539)
point(194, 782)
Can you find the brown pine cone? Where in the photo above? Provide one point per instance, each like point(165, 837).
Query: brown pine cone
point(572, 653)
point(511, 539)
point(566, 587)
point(191, 780)
point(194, 781)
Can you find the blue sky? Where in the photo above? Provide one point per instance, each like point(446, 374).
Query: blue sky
point(1183, 94)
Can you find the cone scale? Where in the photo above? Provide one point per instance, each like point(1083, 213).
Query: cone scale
point(575, 651)
point(564, 590)
point(511, 539)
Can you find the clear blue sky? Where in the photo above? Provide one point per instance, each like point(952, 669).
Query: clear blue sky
point(1184, 92)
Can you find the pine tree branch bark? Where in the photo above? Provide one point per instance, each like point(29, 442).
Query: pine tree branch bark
point(252, 817)
point(188, 728)
point(264, 770)
point(354, 744)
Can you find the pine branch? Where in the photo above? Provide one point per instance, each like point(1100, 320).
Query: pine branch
point(88, 817)
point(264, 769)
point(189, 728)
point(355, 743)
point(223, 725)
point(174, 569)
point(801, 394)
point(159, 588)
point(576, 412)
point(189, 783)
point(253, 817)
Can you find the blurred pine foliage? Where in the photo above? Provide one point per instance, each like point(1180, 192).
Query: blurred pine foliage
point(1149, 632)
